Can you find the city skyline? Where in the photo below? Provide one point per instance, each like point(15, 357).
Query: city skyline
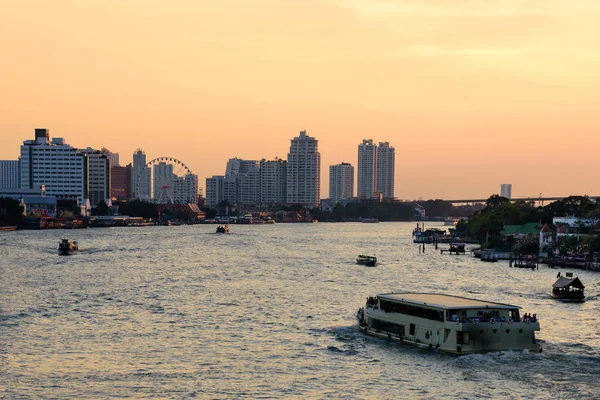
point(467, 103)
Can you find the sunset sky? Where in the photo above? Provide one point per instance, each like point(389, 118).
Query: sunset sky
point(471, 93)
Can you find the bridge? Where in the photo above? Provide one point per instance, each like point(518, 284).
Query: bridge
point(526, 199)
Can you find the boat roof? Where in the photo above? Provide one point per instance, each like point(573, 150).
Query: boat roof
point(563, 282)
point(444, 301)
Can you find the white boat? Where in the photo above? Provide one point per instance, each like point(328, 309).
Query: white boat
point(448, 323)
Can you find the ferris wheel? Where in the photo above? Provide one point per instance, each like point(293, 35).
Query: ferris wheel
point(166, 180)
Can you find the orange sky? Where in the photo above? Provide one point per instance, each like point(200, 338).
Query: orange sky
point(471, 93)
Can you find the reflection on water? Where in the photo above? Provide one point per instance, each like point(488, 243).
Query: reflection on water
point(267, 311)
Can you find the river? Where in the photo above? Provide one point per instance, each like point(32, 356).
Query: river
point(265, 312)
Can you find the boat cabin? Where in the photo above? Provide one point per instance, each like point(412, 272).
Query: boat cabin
point(567, 288)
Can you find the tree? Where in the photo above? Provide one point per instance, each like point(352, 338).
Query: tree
point(11, 211)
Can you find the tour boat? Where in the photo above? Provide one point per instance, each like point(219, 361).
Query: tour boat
point(66, 247)
point(568, 289)
point(452, 324)
point(369, 261)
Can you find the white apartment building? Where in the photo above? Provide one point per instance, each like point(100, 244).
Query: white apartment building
point(214, 190)
point(386, 167)
point(304, 171)
point(273, 177)
point(140, 183)
point(99, 182)
point(341, 182)
point(246, 175)
point(367, 169)
point(61, 168)
point(506, 190)
point(10, 174)
point(185, 189)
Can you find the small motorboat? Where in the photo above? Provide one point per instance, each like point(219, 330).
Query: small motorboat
point(222, 229)
point(67, 247)
point(568, 289)
point(369, 261)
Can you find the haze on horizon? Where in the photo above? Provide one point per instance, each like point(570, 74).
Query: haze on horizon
point(471, 95)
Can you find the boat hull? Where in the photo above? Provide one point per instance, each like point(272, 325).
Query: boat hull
point(451, 337)
point(569, 299)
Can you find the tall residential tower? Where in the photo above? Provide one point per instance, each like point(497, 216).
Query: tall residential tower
point(367, 169)
point(341, 182)
point(304, 171)
point(386, 163)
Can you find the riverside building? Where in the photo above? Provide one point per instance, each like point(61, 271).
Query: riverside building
point(506, 190)
point(386, 164)
point(273, 176)
point(10, 174)
point(304, 171)
point(367, 169)
point(341, 182)
point(98, 176)
point(56, 165)
point(141, 185)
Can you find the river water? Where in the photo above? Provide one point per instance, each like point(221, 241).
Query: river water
point(265, 312)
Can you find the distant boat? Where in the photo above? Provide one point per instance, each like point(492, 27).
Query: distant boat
point(66, 247)
point(568, 289)
point(369, 261)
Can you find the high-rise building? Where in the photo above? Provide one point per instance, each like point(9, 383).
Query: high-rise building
point(506, 190)
point(273, 177)
point(304, 171)
point(185, 189)
point(56, 165)
point(142, 177)
point(98, 176)
point(214, 190)
point(120, 182)
point(341, 182)
point(246, 175)
point(367, 169)
point(10, 174)
point(386, 166)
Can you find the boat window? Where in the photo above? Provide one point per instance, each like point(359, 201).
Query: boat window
point(415, 311)
point(387, 327)
point(412, 329)
point(462, 337)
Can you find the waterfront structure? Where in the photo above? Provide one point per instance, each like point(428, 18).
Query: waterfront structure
point(448, 323)
point(98, 176)
point(10, 174)
point(56, 165)
point(245, 175)
point(273, 181)
point(386, 167)
point(506, 190)
point(341, 182)
point(214, 190)
point(304, 171)
point(367, 169)
point(120, 181)
point(145, 181)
